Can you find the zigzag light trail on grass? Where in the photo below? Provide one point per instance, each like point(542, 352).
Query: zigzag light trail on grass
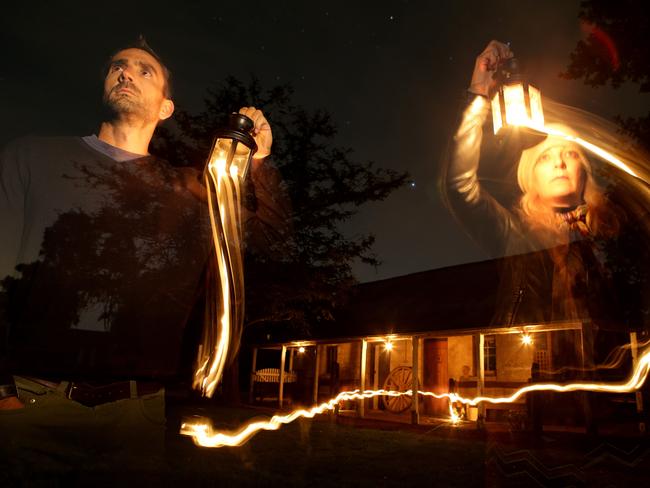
point(203, 434)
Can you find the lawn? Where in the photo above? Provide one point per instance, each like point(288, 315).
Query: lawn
point(324, 453)
point(328, 451)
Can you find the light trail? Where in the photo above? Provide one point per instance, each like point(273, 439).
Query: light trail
point(614, 360)
point(225, 223)
point(203, 434)
point(607, 156)
point(594, 149)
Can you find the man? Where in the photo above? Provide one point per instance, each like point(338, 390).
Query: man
point(102, 253)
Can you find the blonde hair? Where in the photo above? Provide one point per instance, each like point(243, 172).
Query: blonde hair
point(539, 215)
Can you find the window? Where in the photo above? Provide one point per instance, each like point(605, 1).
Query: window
point(490, 354)
point(332, 361)
point(542, 354)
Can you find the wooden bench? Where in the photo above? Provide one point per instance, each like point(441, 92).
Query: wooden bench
point(266, 383)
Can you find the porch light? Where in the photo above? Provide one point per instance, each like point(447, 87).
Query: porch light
point(388, 345)
point(515, 102)
point(526, 339)
point(301, 349)
point(233, 147)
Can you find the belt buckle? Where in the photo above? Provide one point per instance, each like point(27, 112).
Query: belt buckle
point(71, 387)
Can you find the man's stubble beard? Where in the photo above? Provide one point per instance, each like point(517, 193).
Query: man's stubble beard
point(117, 107)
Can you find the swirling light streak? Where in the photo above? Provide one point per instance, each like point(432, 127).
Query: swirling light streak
point(614, 360)
point(634, 382)
point(203, 433)
point(227, 238)
point(605, 155)
point(594, 149)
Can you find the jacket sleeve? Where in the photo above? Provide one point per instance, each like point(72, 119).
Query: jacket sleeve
point(14, 181)
point(487, 222)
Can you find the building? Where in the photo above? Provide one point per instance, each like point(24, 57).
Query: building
point(431, 331)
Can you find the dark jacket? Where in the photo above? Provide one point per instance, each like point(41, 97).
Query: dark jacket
point(571, 280)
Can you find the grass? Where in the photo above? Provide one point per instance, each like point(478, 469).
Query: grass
point(323, 453)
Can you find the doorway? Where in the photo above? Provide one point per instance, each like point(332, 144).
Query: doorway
point(435, 377)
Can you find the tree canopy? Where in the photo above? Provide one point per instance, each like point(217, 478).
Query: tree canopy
point(615, 51)
point(298, 262)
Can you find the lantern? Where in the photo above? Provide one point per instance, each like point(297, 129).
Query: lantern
point(516, 102)
point(228, 163)
point(233, 147)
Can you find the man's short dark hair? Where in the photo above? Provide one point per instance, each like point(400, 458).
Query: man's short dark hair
point(141, 43)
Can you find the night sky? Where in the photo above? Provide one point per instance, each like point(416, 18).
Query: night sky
point(392, 74)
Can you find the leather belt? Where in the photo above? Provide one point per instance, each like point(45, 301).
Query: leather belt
point(91, 395)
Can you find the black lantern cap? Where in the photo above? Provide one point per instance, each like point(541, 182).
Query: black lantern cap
point(240, 122)
point(508, 71)
point(239, 128)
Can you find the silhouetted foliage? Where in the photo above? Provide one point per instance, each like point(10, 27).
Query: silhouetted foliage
point(615, 51)
point(123, 265)
point(298, 263)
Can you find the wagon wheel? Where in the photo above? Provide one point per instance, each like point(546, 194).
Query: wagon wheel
point(399, 379)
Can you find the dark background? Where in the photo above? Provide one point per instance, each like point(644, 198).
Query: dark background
point(392, 73)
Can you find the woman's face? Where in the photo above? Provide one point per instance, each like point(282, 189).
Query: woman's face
point(559, 176)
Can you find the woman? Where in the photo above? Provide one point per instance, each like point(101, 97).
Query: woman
point(558, 233)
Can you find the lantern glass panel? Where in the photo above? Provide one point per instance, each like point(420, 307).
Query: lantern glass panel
point(239, 165)
point(515, 103)
point(219, 155)
point(536, 112)
point(497, 122)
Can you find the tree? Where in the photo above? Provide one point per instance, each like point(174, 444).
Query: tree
point(115, 278)
point(298, 263)
point(615, 51)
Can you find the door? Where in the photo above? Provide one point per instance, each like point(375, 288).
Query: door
point(381, 369)
point(435, 377)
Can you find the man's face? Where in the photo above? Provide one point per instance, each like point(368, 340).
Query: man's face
point(559, 175)
point(135, 86)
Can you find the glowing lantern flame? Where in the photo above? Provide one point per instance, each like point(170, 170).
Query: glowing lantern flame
point(515, 103)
